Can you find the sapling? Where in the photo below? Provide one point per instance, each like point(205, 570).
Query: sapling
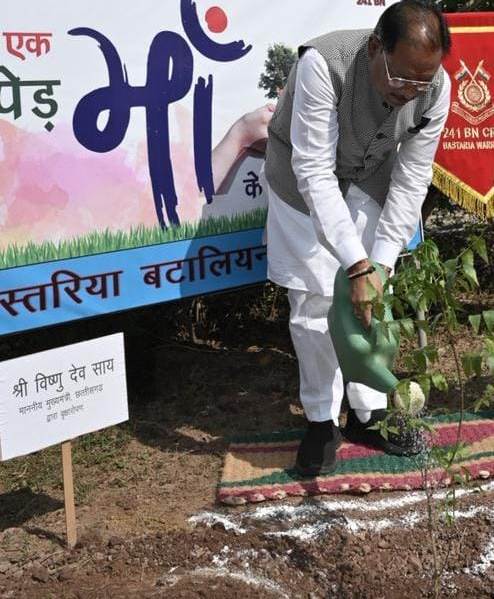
point(425, 284)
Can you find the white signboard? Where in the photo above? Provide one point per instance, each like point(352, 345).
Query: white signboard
point(60, 394)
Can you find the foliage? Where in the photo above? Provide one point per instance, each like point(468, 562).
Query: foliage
point(425, 298)
point(277, 68)
point(466, 5)
point(425, 284)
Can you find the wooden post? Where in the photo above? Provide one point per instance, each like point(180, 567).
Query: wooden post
point(68, 492)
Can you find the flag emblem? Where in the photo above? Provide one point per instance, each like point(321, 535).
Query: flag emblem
point(474, 97)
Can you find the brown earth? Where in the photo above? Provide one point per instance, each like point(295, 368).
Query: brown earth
point(137, 485)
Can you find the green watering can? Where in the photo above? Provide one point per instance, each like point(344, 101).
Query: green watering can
point(367, 355)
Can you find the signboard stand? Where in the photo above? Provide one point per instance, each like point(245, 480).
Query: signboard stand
point(68, 492)
point(58, 395)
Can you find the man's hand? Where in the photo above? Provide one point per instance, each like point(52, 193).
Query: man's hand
point(363, 290)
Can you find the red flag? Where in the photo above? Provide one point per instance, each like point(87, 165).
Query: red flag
point(464, 163)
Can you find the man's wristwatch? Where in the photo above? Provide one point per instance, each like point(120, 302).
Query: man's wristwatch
point(362, 273)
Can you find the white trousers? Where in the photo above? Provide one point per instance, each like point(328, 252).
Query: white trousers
point(321, 381)
point(297, 261)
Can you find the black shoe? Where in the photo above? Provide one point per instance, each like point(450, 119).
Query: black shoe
point(406, 443)
point(317, 451)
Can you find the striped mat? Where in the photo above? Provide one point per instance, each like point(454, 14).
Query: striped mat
point(260, 467)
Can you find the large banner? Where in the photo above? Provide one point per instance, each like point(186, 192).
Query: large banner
point(131, 147)
point(464, 168)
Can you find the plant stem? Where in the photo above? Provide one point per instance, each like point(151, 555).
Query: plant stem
point(462, 393)
point(432, 526)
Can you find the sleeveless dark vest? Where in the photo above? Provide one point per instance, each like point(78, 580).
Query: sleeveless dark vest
point(369, 131)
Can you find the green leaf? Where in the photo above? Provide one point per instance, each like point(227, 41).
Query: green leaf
point(421, 360)
point(480, 247)
point(403, 390)
point(488, 316)
point(450, 267)
point(489, 353)
point(460, 451)
point(468, 267)
point(427, 426)
point(423, 325)
point(477, 364)
point(489, 345)
point(398, 306)
point(466, 362)
point(407, 327)
point(472, 364)
point(425, 384)
point(450, 318)
point(459, 478)
point(378, 310)
point(474, 320)
point(371, 290)
point(481, 404)
point(431, 353)
point(381, 329)
point(485, 400)
point(449, 519)
point(467, 258)
point(394, 329)
point(489, 362)
point(439, 381)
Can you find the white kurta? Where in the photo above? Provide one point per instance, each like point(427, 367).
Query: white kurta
point(304, 251)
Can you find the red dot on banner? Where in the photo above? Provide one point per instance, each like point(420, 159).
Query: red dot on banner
point(216, 19)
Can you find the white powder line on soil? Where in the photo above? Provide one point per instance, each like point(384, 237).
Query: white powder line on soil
point(486, 560)
point(222, 559)
point(364, 505)
point(244, 556)
point(260, 582)
point(303, 533)
point(312, 531)
point(326, 508)
point(212, 518)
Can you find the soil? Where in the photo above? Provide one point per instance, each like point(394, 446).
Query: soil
point(148, 523)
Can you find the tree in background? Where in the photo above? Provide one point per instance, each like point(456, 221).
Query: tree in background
point(466, 5)
point(277, 67)
point(281, 57)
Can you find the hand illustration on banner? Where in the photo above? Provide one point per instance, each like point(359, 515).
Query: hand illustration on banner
point(170, 71)
point(249, 132)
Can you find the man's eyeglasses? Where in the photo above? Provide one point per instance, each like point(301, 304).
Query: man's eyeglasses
point(399, 82)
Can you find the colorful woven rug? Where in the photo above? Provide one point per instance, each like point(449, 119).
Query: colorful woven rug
point(260, 467)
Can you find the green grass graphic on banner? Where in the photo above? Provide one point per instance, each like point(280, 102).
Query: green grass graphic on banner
point(100, 242)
